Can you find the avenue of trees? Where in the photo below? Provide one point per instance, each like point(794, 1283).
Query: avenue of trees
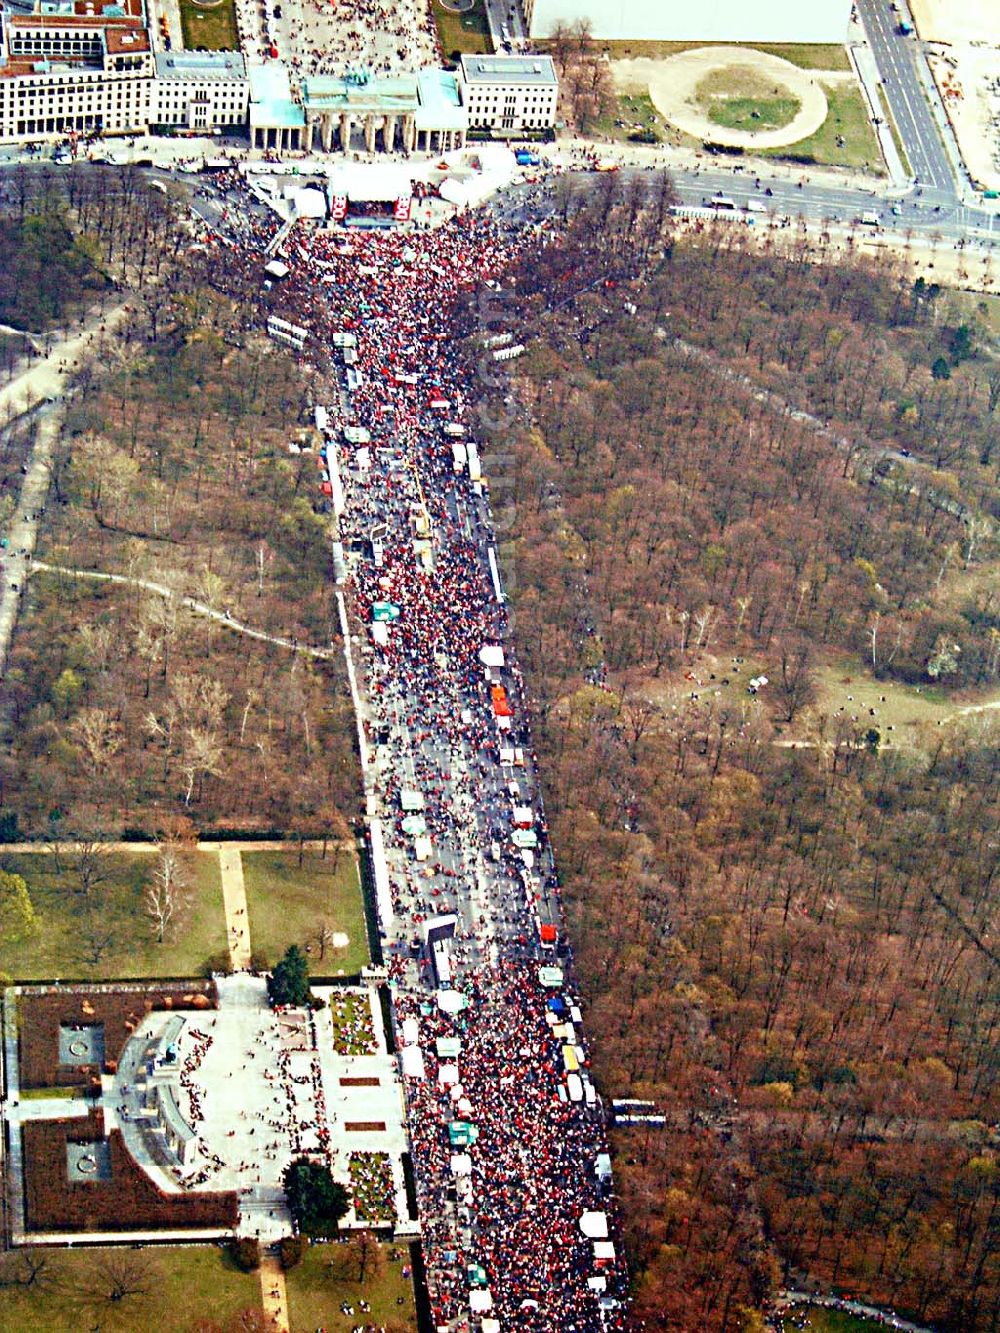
point(791, 950)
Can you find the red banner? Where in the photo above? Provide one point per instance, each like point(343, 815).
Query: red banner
point(338, 207)
point(402, 210)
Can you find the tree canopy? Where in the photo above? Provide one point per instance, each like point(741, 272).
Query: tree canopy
point(17, 914)
point(317, 1202)
point(289, 982)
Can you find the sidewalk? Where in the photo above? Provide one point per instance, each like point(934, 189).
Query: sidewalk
point(235, 899)
point(272, 1291)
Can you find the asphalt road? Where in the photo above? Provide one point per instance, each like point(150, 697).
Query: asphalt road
point(897, 57)
point(834, 205)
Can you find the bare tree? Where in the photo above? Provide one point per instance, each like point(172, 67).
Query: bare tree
point(99, 734)
point(165, 892)
point(91, 863)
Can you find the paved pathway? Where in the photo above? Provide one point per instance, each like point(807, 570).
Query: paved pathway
point(234, 897)
point(272, 1291)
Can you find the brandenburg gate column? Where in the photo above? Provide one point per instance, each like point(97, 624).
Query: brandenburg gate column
point(346, 122)
point(370, 133)
point(326, 132)
point(409, 132)
point(389, 133)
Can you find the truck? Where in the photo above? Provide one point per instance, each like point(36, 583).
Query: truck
point(904, 27)
point(525, 158)
point(459, 457)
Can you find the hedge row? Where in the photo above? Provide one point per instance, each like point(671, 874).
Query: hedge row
point(129, 1201)
point(118, 1009)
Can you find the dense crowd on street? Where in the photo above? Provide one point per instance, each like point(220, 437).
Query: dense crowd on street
point(534, 1166)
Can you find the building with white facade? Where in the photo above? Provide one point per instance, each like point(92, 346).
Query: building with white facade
point(710, 21)
point(87, 67)
point(509, 94)
point(205, 91)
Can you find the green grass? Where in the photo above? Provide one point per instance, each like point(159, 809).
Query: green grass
point(315, 1291)
point(47, 1094)
point(108, 933)
point(829, 1321)
point(209, 29)
point(821, 56)
point(741, 99)
point(468, 33)
point(182, 1284)
point(287, 905)
point(847, 117)
point(635, 109)
point(353, 1026)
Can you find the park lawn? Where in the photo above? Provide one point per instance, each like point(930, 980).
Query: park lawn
point(315, 1293)
point(183, 1284)
point(288, 904)
point(820, 56)
point(108, 934)
point(740, 98)
point(847, 115)
point(209, 29)
point(468, 33)
point(827, 1321)
point(636, 109)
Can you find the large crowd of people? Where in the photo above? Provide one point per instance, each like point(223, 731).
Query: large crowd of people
point(432, 723)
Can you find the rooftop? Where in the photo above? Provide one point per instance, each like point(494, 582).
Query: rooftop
point(440, 101)
point(395, 95)
point(128, 41)
point(532, 69)
point(200, 65)
point(271, 101)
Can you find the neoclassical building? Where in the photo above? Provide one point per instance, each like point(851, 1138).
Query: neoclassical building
point(420, 112)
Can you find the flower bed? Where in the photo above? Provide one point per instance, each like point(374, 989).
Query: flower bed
point(372, 1187)
point(353, 1028)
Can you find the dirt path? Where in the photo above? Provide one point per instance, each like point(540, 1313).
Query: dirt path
point(45, 379)
point(191, 603)
point(273, 1292)
point(234, 897)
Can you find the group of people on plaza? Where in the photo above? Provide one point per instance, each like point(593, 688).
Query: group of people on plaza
point(534, 1165)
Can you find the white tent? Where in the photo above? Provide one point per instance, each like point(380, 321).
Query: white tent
point(491, 655)
point(451, 1001)
point(461, 1164)
point(448, 1075)
point(411, 1032)
point(371, 182)
point(480, 1301)
point(412, 1059)
point(604, 1253)
point(594, 1225)
point(308, 202)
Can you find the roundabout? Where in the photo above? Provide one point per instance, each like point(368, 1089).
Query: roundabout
point(719, 94)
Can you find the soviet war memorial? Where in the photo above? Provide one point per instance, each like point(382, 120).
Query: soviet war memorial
point(499, 667)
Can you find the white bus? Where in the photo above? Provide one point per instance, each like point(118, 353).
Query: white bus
point(723, 203)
